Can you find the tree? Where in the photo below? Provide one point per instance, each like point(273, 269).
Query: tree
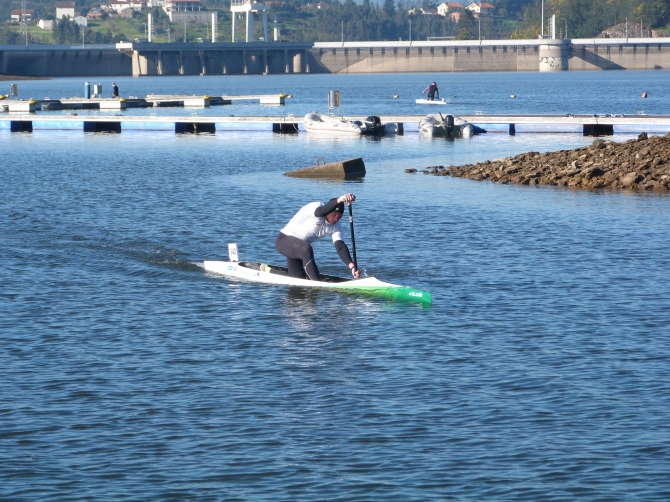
point(66, 32)
point(389, 8)
point(466, 29)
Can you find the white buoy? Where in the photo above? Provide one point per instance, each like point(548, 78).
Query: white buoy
point(513, 96)
point(396, 95)
point(644, 95)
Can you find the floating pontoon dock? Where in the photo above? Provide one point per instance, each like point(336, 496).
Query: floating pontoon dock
point(152, 100)
point(586, 124)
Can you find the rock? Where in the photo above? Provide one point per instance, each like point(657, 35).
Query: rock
point(347, 169)
point(599, 143)
point(642, 136)
point(631, 179)
point(593, 173)
point(411, 170)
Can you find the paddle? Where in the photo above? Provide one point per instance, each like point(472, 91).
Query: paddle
point(353, 240)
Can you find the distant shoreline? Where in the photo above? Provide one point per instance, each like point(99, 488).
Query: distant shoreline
point(19, 77)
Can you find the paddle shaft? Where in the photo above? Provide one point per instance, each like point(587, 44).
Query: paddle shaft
point(353, 239)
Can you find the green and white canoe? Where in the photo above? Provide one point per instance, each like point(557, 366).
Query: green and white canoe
point(270, 274)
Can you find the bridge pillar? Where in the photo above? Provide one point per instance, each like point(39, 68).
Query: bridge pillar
point(137, 71)
point(306, 60)
point(554, 55)
point(159, 63)
point(181, 62)
point(203, 70)
point(225, 67)
point(286, 61)
point(244, 61)
point(297, 63)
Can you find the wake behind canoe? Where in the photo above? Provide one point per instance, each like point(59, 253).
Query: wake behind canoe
point(270, 274)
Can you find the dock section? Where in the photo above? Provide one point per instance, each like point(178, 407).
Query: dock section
point(152, 100)
point(587, 124)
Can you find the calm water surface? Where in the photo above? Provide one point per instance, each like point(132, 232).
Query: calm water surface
point(541, 371)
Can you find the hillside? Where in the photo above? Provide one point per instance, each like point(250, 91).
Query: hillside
point(333, 20)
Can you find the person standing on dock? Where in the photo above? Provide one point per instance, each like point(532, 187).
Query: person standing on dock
point(313, 221)
point(115, 90)
point(432, 90)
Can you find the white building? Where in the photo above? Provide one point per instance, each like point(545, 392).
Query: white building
point(119, 6)
point(64, 9)
point(481, 9)
point(448, 7)
point(80, 20)
point(17, 16)
point(46, 25)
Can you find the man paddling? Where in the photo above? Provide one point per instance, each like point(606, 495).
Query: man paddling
point(313, 221)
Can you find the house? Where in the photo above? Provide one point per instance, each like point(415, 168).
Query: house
point(181, 5)
point(80, 20)
point(481, 9)
point(18, 17)
point(95, 13)
point(446, 8)
point(46, 24)
point(428, 12)
point(119, 6)
point(64, 9)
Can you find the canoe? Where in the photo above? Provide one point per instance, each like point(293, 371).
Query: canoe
point(271, 274)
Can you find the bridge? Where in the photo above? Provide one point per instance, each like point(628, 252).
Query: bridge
point(266, 57)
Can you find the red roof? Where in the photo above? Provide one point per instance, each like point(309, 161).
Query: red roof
point(454, 5)
point(19, 11)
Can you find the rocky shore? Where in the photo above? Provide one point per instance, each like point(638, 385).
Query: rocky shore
point(642, 164)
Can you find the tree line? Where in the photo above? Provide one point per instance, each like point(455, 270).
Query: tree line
point(302, 20)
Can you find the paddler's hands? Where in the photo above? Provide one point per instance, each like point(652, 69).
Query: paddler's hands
point(347, 197)
point(354, 271)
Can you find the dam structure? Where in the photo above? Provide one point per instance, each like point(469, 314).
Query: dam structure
point(266, 57)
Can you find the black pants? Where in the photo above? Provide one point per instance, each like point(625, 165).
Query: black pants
point(299, 257)
point(431, 95)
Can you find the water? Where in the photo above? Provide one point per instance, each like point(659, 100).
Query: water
point(539, 373)
point(562, 92)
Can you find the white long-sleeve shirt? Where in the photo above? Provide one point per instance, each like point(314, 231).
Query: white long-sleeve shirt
point(307, 227)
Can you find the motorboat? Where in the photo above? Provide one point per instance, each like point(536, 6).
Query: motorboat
point(319, 122)
point(372, 126)
point(448, 126)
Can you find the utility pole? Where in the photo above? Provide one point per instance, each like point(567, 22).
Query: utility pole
point(24, 23)
point(566, 27)
point(626, 30)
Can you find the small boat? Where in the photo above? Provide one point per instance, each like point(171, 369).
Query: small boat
point(432, 102)
point(372, 126)
point(271, 274)
point(319, 122)
point(448, 126)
